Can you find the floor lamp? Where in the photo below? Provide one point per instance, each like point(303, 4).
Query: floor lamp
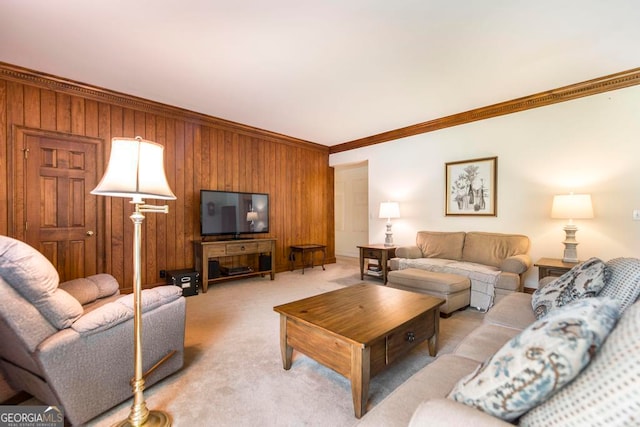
point(136, 170)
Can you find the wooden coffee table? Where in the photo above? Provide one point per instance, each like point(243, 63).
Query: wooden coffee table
point(358, 331)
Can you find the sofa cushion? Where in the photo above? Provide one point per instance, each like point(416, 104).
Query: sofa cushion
point(514, 311)
point(32, 275)
point(484, 341)
point(538, 361)
point(607, 392)
point(85, 291)
point(493, 248)
point(88, 289)
point(442, 283)
point(584, 280)
point(106, 283)
point(445, 412)
point(623, 284)
point(438, 244)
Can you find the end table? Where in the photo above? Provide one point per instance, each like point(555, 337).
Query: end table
point(552, 267)
point(380, 252)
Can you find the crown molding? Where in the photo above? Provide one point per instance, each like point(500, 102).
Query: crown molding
point(74, 88)
point(554, 96)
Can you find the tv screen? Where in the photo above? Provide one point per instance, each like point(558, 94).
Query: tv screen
point(233, 213)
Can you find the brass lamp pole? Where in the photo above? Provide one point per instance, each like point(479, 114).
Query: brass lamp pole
point(136, 170)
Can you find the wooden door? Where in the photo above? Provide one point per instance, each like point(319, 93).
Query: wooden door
point(60, 213)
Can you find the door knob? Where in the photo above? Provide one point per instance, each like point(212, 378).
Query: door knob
point(90, 233)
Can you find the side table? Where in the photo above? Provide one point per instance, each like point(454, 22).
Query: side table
point(552, 267)
point(303, 249)
point(380, 252)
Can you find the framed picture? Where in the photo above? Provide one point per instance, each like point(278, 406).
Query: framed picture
point(471, 187)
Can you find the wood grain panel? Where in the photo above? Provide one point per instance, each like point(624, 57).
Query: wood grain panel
point(200, 152)
point(32, 106)
point(48, 110)
point(4, 189)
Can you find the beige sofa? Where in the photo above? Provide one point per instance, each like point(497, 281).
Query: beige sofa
point(495, 263)
point(608, 388)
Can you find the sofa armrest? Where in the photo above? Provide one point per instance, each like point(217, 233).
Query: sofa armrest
point(74, 364)
point(447, 412)
point(516, 264)
point(411, 252)
point(122, 309)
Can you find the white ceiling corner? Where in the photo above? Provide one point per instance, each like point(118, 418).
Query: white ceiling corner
point(325, 71)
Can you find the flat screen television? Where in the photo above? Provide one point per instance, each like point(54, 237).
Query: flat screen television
point(233, 213)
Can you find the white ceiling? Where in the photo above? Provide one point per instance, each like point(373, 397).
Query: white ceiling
point(327, 71)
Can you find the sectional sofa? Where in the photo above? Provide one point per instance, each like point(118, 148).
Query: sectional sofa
point(568, 355)
point(493, 263)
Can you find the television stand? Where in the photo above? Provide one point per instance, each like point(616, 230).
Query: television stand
point(231, 254)
point(235, 271)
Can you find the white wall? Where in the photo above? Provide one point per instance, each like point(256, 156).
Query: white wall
point(589, 145)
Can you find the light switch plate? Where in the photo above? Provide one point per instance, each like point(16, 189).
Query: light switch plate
point(636, 214)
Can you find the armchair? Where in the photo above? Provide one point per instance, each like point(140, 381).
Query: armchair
point(71, 344)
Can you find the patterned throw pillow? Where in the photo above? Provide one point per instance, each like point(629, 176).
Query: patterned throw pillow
point(539, 361)
point(607, 392)
point(624, 281)
point(582, 281)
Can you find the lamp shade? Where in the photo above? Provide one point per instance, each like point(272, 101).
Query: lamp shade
point(572, 206)
point(136, 170)
point(252, 216)
point(389, 210)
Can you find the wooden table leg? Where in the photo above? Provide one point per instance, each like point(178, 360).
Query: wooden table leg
point(292, 257)
point(433, 341)
point(360, 375)
point(303, 261)
point(285, 349)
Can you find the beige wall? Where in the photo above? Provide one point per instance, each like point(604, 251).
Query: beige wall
point(351, 208)
point(586, 145)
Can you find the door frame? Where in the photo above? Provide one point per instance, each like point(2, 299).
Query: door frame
point(17, 189)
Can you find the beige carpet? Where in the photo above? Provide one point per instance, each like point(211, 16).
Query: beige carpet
point(233, 373)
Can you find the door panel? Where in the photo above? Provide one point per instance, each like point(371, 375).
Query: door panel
point(61, 218)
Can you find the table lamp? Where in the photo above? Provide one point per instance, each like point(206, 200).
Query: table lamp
point(571, 206)
point(389, 210)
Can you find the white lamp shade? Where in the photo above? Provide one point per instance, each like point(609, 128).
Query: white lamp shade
point(136, 170)
point(252, 216)
point(572, 206)
point(389, 210)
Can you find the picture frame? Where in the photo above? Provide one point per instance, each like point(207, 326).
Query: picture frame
point(471, 187)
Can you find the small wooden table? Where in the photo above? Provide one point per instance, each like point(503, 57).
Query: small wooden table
point(303, 249)
point(358, 331)
point(380, 252)
point(552, 267)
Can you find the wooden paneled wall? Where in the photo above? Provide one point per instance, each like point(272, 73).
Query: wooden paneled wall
point(201, 152)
